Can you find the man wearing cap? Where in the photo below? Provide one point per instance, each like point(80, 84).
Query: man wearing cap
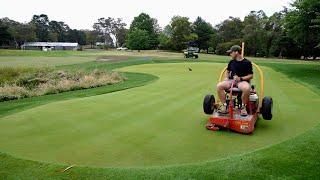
point(240, 70)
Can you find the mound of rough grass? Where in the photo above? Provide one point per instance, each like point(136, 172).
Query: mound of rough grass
point(17, 83)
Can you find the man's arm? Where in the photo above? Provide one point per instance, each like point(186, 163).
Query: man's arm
point(244, 78)
point(247, 77)
point(227, 74)
point(228, 71)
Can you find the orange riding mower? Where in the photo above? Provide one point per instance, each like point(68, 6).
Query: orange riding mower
point(233, 119)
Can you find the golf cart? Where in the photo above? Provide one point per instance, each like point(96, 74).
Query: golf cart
point(191, 52)
point(233, 119)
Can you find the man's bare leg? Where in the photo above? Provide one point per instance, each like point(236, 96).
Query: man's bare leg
point(221, 87)
point(244, 86)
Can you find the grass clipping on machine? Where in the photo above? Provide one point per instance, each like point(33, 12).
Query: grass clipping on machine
point(21, 83)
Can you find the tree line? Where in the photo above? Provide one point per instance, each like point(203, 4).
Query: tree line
point(291, 33)
point(40, 28)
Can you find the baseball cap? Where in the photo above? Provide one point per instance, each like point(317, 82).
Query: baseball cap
point(234, 49)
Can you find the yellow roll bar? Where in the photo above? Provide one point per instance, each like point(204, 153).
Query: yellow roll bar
point(261, 94)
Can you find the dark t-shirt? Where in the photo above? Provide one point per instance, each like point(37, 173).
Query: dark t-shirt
point(239, 68)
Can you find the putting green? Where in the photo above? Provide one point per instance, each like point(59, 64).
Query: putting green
point(158, 124)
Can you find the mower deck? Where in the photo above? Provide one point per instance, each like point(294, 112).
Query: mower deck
point(241, 124)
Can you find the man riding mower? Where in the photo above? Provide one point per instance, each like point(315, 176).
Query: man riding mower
point(240, 106)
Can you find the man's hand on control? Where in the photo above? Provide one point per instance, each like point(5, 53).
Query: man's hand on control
point(237, 78)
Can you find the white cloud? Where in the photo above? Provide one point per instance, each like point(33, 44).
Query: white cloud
point(82, 14)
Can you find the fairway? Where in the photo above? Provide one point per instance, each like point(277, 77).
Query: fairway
point(161, 123)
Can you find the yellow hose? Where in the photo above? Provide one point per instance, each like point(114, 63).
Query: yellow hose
point(222, 74)
point(261, 82)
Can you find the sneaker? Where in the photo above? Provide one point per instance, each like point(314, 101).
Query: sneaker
point(243, 111)
point(223, 109)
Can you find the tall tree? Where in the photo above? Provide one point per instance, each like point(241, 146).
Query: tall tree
point(60, 29)
point(105, 27)
point(138, 39)
point(167, 31)
point(41, 22)
point(254, 34)
point(230, 29)
point(204, 32)
point(303, 25)
point(91, 37)
point(26, 33)
point(275, 37)
point(20, 32)
point(181, 32)
point(112, 30)
point(120, 32)
point(75, 35)
point(5, 36)
point(165, 37)
point(148, 24)
point(214, 40)
point(121, 35)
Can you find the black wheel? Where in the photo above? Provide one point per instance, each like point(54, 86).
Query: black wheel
point(266, 109)
point(196, 56)
point(208, 104)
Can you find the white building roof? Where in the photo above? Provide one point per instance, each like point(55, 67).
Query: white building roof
point(61, 44)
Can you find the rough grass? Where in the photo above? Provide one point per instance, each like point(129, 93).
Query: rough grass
point(296, 158)
point(9, 74)
point(20, 83)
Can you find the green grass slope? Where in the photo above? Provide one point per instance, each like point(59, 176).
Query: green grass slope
point(295, 158)
point(161, 123)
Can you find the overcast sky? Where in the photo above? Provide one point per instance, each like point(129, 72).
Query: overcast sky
point(82, 14)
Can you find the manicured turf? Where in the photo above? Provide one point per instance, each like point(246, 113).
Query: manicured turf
point(160, 124)
point(295, 158)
